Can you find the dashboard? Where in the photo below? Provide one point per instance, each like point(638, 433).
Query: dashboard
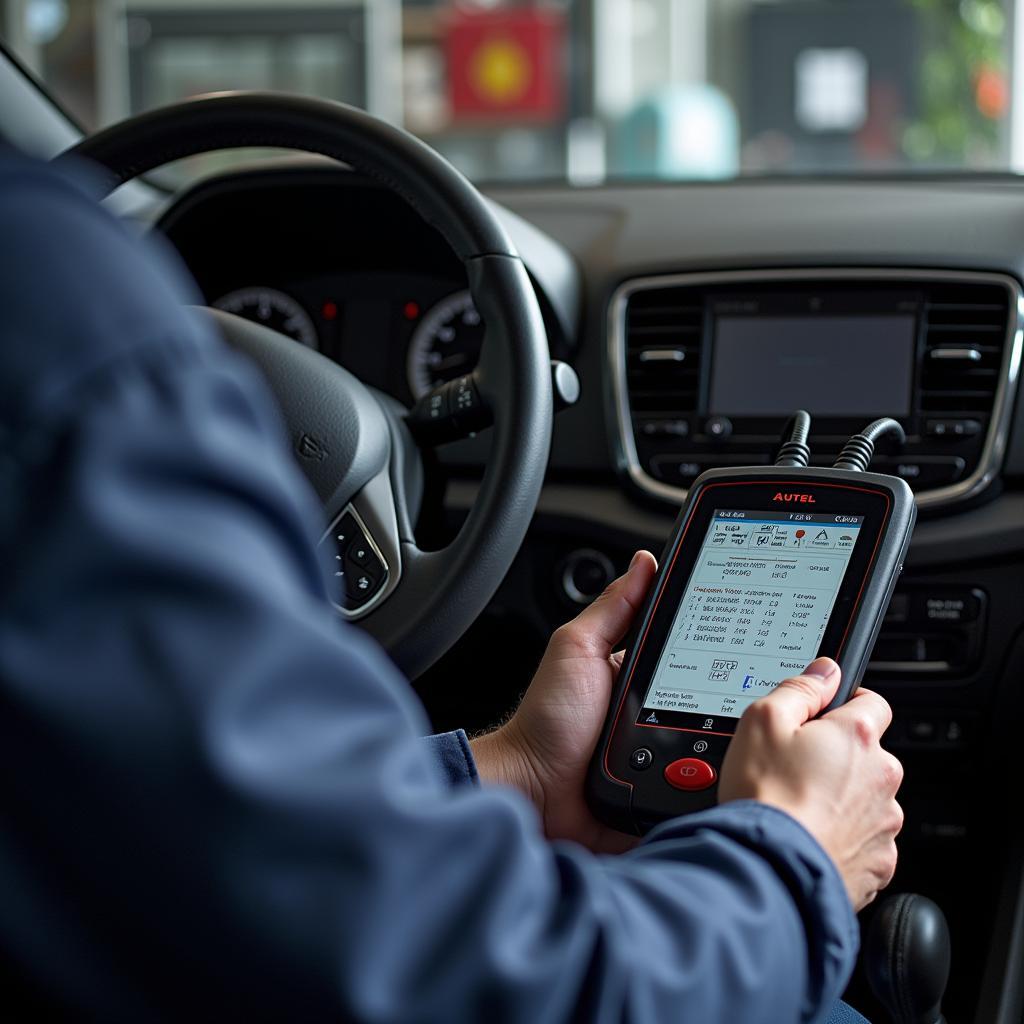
point(339, 265)
point(696, 316)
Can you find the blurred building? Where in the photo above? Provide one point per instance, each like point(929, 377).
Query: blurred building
point(586, 90)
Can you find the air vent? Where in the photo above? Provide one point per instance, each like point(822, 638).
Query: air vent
point(664, 336)
point(967, 353)
point(964, 338)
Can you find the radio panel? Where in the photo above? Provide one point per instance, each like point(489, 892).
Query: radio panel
point(706, 366)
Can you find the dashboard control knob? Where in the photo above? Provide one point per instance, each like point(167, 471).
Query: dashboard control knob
point(718, 427)
point(565, 385)
point(585, 575)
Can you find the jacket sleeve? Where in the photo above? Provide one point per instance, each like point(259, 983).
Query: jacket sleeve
point(452, 754)
point(217, 800)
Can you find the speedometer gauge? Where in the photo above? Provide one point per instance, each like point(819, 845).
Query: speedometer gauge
point(445, 345)
point(272, 309)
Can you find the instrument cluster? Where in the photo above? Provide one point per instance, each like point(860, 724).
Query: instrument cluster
point(345, 267)
point(404, 334)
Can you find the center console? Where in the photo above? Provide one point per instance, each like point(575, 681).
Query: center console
point(706, 368)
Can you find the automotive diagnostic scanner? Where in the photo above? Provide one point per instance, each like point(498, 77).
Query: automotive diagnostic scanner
point(766, 569)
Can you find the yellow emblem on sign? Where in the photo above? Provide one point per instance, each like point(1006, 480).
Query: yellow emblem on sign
point(500, 70)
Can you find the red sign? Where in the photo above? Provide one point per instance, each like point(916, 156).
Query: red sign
point(507, 64)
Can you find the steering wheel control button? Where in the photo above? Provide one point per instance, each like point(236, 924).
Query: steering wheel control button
point(362, 586)
point(641, 759)
point(340, 538)
point(690, 774)
point(345, 530)
point(364, 571)
point(358, 569)
point(362, 554)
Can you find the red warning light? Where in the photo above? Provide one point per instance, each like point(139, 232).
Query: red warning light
point(800, 533)
point(329, 310)
point(411, 310)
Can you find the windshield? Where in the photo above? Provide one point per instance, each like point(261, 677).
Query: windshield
point(579, 91)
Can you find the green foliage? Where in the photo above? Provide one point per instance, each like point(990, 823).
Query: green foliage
point(962, 76)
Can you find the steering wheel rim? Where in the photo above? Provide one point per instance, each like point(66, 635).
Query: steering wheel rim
point(438, 594)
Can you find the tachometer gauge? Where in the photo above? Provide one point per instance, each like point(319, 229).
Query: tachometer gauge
point(445, 345)
point(272, 309)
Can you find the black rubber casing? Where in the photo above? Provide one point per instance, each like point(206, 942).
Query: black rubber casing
point(634, 800)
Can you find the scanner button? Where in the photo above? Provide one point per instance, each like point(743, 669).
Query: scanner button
point(690, 773)
point(641, 759)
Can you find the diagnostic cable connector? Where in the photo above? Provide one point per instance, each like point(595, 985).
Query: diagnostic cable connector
point(794, 450)
point(858, 451)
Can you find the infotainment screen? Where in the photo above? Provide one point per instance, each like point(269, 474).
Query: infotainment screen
point(848, 365)
point(754, 612)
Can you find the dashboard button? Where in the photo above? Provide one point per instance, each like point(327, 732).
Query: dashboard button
point(641, 759)
point(954, 607)
point(955, 731)
point(675, 469)
point(665, 428)
point(690, 773)
point(718, 427)
point(952, 428)
point(922, 730)
point(585, 574)
point(925, 472)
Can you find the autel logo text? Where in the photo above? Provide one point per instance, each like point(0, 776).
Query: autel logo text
point(801, 499)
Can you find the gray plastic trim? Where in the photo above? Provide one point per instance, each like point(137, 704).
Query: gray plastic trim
point(994, 450)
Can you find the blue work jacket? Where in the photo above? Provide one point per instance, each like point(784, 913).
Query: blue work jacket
point(217, 802)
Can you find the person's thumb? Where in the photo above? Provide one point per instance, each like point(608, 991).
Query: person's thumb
point(603, 624)
point(798, 699)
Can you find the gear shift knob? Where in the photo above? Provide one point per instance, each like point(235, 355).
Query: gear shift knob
point(906, 956)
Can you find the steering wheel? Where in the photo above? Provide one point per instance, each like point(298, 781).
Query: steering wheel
point(355, 445)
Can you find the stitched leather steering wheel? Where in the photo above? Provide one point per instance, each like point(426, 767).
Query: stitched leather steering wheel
point(354, 444)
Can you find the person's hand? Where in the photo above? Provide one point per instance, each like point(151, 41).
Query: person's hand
point(545, 747)
point(829, 773)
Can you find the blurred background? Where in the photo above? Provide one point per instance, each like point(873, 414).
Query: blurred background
point(581, 91)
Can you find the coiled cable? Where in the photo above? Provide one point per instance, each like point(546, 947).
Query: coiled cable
point(858, 451)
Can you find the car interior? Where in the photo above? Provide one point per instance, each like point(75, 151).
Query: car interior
point(360, 253)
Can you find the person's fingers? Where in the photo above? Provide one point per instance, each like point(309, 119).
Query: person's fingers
point(866, 713)
point(798, 699)
point(601, 625)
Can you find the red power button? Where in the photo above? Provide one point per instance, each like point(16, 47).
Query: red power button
point(690, 773)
